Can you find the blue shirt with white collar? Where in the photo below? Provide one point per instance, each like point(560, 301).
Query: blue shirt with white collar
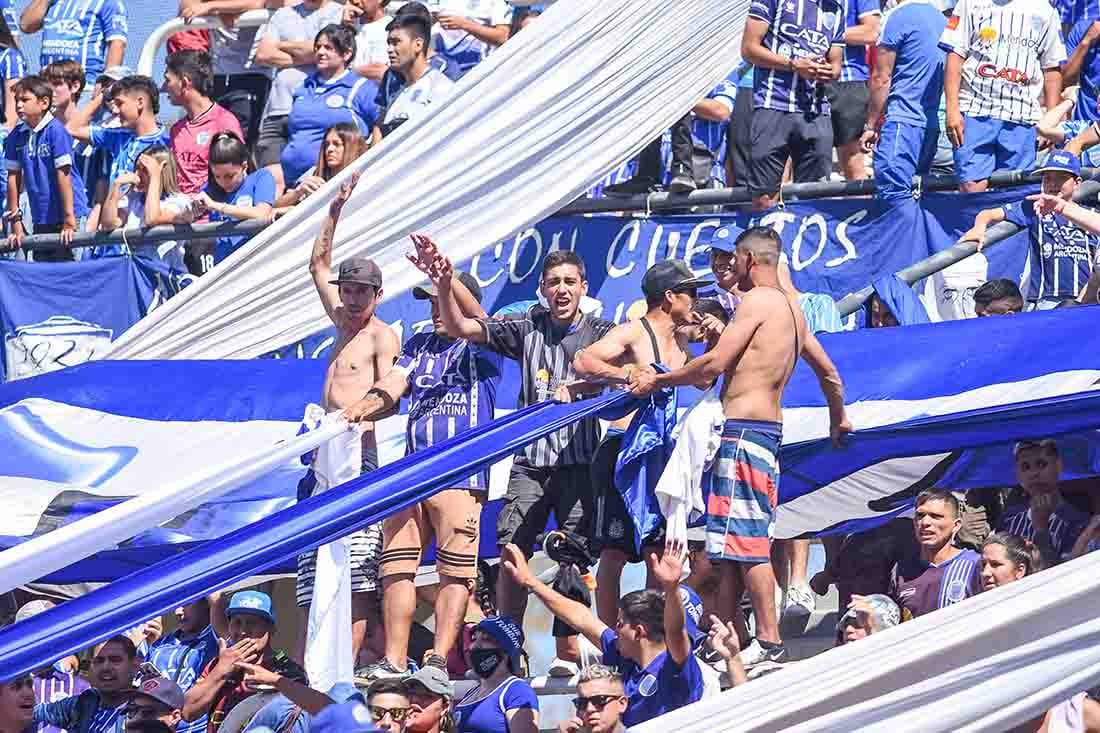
point(81, 30)
point(38, 153)
point(318, 105)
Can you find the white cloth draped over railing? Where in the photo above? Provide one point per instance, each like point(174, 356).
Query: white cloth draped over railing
point(570, 97)
point(180, 492)
point(989, 663)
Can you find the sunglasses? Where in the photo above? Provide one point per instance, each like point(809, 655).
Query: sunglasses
point(396, 714)
point(598, 701)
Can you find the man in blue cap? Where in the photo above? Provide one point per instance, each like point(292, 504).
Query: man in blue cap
point(652, 642)
point(222, 685)
point(1062, 252)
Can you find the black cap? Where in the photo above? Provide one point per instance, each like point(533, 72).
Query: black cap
point(670, 275)
point(359, 270)
point(427, 292)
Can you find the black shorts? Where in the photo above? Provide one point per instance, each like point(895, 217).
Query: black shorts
point(613, 528)
point(848, 109)
point(274, 136)
point(739, 137)
point(533, 493)
point(807, 139)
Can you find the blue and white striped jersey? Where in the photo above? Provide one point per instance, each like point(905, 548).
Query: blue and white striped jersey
point(796, 29)
point(1062, 253)
point(1007, 45)
point(182, 661)
point(80, 30)
point(452, 388)
point(854, 66)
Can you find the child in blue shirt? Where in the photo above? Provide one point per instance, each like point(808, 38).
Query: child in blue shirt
point(39, 156)
point(136, 100)
point(234, 194)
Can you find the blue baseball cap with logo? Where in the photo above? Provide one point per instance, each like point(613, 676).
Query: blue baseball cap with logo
point(346, 717)
point(693, 614)
point(1061, 161)
point(252, 602)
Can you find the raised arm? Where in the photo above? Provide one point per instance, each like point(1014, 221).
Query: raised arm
point(457, 324)
point(427, 255)
point(666, 570)
point(982, 222)
point(577, 615)
point(829, 379)
point(80, 124)
point(601, 362)
point(1045, 204)
point(320, 261)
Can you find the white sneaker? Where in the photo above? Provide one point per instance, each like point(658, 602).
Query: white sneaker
point(800, 601)
point(755, 654)
point(562, 668)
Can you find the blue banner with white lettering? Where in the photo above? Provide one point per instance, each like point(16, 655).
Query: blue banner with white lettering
point(53, 315)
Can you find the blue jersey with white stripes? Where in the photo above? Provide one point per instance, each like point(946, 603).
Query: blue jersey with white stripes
point(81, 30)
point(1062, 253)
point(796, 29)
point(452, 388)
point(7, 9)
point(182, 661)
point(711, 134)
point(854, 65)
point(921, 587)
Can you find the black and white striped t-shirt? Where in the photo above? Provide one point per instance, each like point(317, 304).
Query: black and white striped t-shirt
point(1006, 46)
point(545, 353)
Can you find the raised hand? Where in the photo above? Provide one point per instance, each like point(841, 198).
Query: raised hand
point(723, 638)
point(668, 568)
point(343, 194)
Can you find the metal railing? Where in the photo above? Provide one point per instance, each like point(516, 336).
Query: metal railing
point(160, 36)
point(653, 203)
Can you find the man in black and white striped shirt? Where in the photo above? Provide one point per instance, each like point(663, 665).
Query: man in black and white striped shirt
point(1003, 58)
point(550, 475)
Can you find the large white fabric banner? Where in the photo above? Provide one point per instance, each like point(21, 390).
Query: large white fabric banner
point(989, 663)
point(526, 132)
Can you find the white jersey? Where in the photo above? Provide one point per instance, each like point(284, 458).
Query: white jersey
point(1006, 44)
point(413, 101)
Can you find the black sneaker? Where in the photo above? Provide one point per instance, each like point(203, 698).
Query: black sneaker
point(634, 187)
point(682, 183)
point(382, 669)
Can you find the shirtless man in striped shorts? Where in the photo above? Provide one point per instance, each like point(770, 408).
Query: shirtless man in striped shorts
point(757, 353)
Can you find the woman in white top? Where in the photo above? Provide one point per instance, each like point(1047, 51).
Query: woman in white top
point(149, 197)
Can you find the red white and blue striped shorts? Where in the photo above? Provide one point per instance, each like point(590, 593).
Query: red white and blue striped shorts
point(744, 491)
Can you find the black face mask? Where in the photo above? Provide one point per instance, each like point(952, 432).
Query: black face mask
point(486, 661)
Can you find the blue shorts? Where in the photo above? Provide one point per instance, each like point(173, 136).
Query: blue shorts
point(992, 145)
point(904, 150)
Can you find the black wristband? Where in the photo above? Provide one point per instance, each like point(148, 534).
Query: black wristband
point(380, 394)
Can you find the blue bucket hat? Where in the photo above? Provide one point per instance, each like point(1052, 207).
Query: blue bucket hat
point(506, 632)
point(252, 602)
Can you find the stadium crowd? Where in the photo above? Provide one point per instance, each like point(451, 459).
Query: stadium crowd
point(270, 115)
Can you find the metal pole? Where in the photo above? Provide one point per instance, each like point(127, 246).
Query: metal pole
point(658, 202)
point(958, 252)
point(143, 236)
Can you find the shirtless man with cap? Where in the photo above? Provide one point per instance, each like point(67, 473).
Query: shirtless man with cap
point(757, 353)
point(670, 288)
point(365, 349)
